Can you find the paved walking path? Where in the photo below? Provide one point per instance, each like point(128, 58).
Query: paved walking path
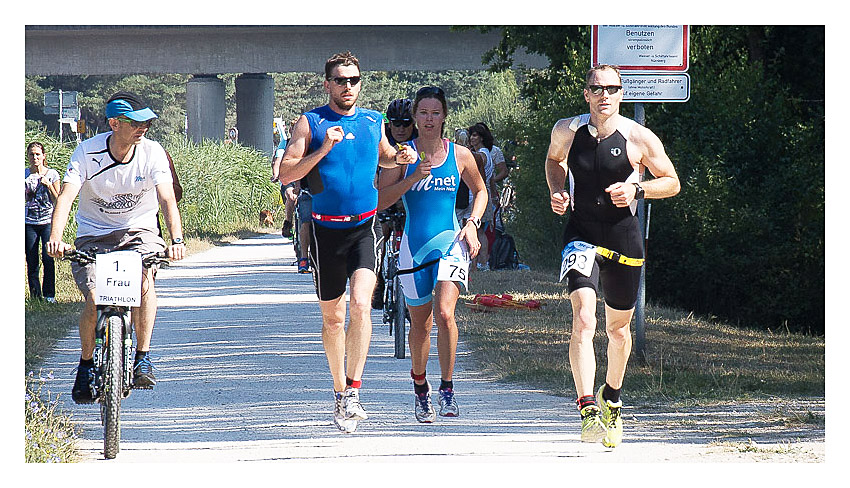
point(242, 376)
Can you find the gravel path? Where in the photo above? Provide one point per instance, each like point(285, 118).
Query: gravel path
point(242, 376)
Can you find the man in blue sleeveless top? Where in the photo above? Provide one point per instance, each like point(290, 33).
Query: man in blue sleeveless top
point(338, 148)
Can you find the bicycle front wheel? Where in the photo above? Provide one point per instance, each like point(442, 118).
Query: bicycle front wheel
point(398, 318)
point(113, 378)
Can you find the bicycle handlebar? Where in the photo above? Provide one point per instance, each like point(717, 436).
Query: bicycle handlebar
point(87, 257)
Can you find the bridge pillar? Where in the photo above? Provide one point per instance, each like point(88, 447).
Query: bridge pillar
point(255, 111)
point(205, 108)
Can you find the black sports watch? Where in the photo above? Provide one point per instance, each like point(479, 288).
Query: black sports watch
point(177, 240)
point(639, 193)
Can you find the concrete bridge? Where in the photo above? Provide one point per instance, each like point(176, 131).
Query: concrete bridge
point(206, 52)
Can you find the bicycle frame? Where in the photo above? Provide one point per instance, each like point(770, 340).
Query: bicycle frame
point(394, 306)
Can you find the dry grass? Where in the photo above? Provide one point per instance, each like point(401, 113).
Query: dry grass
point(689, 359)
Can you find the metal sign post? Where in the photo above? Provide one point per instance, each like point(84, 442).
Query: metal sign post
point(653, 60)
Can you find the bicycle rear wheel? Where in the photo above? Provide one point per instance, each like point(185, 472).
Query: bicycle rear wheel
point(113, 378)
point(398, 318)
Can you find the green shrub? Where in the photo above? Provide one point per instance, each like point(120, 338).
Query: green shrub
point(49, 436)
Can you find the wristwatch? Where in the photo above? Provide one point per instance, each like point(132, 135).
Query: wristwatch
point(639, 193)
point(177, 240)
point(475, 221)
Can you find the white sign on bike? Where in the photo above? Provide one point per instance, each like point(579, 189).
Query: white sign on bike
point(577, 255)
point(119, 279)
point(454, 266)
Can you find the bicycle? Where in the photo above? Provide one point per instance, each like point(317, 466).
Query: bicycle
point(113, 350)
point(395, 308)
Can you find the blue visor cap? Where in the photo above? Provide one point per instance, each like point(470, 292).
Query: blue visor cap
point(119, 107)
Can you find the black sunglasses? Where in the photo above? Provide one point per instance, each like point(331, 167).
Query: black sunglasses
point(611, 89)
point(401, 122)
point(342, 81)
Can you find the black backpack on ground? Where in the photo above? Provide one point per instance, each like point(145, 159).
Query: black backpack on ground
point(504, 254)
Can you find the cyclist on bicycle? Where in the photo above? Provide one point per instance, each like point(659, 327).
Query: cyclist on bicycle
point(398, 128)
point(428, 189)
point(122, 179)
point(299, 191)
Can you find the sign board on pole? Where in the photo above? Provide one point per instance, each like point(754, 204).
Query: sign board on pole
point(656, 87)
point(641, 47)
point(69, 101)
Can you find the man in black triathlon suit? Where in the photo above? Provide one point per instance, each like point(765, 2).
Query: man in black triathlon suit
point(603, 155)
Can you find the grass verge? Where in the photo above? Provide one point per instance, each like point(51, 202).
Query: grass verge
point(690, 360)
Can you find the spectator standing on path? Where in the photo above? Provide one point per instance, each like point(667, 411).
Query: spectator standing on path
point(481, 140)
point(123, 179)
point(428, 189)
point(338, 148)
point(399, 128)
point(41, 189)
point(603, 154)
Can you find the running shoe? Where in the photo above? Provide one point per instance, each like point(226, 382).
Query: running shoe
point(448, 405)
point(351, 403)
point(610, 414)
point(143, 373)
point(81, 392)
point(303, 266)
point(592, 428)
point(286, 231)
point(422, 408)
point(343, 424)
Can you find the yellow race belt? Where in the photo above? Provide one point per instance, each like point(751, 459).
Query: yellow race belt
point(615, 256)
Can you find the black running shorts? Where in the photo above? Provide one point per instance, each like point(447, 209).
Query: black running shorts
point(337, 253)
point(620, 282)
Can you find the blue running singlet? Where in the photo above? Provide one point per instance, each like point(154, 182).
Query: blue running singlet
point(431, 225)
point(342, 183)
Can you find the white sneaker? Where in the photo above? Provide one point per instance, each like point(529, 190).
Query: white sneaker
point(422, 407)
point(448, 405)
point(351, 402)
point(343, 424)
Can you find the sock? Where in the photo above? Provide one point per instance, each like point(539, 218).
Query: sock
point(611, 394)
point(446, 385)
point(140, 355)
point(354, 384)
point(420, 389)
point(87, 363)
point(585, 401)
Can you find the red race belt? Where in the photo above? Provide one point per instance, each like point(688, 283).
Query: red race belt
point(343, 218)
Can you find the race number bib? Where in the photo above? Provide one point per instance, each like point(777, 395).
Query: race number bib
point(119, 279)
point(577, 255)
point(454, 266)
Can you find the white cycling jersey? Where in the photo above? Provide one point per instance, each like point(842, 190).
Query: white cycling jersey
point(113, 195)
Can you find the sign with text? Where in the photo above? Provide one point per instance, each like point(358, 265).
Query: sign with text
point(51, 102)
point(119, 279)
point(656, 87)
point(641, 47)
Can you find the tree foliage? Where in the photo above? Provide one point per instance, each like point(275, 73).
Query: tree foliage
point(745, 237)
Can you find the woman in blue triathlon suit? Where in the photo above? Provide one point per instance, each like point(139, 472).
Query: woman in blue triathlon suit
point(428, 190)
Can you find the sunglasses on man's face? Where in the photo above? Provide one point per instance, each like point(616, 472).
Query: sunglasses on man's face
point(342, 81)
point(401, 122)
point(611, 89)
point(136, 124)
